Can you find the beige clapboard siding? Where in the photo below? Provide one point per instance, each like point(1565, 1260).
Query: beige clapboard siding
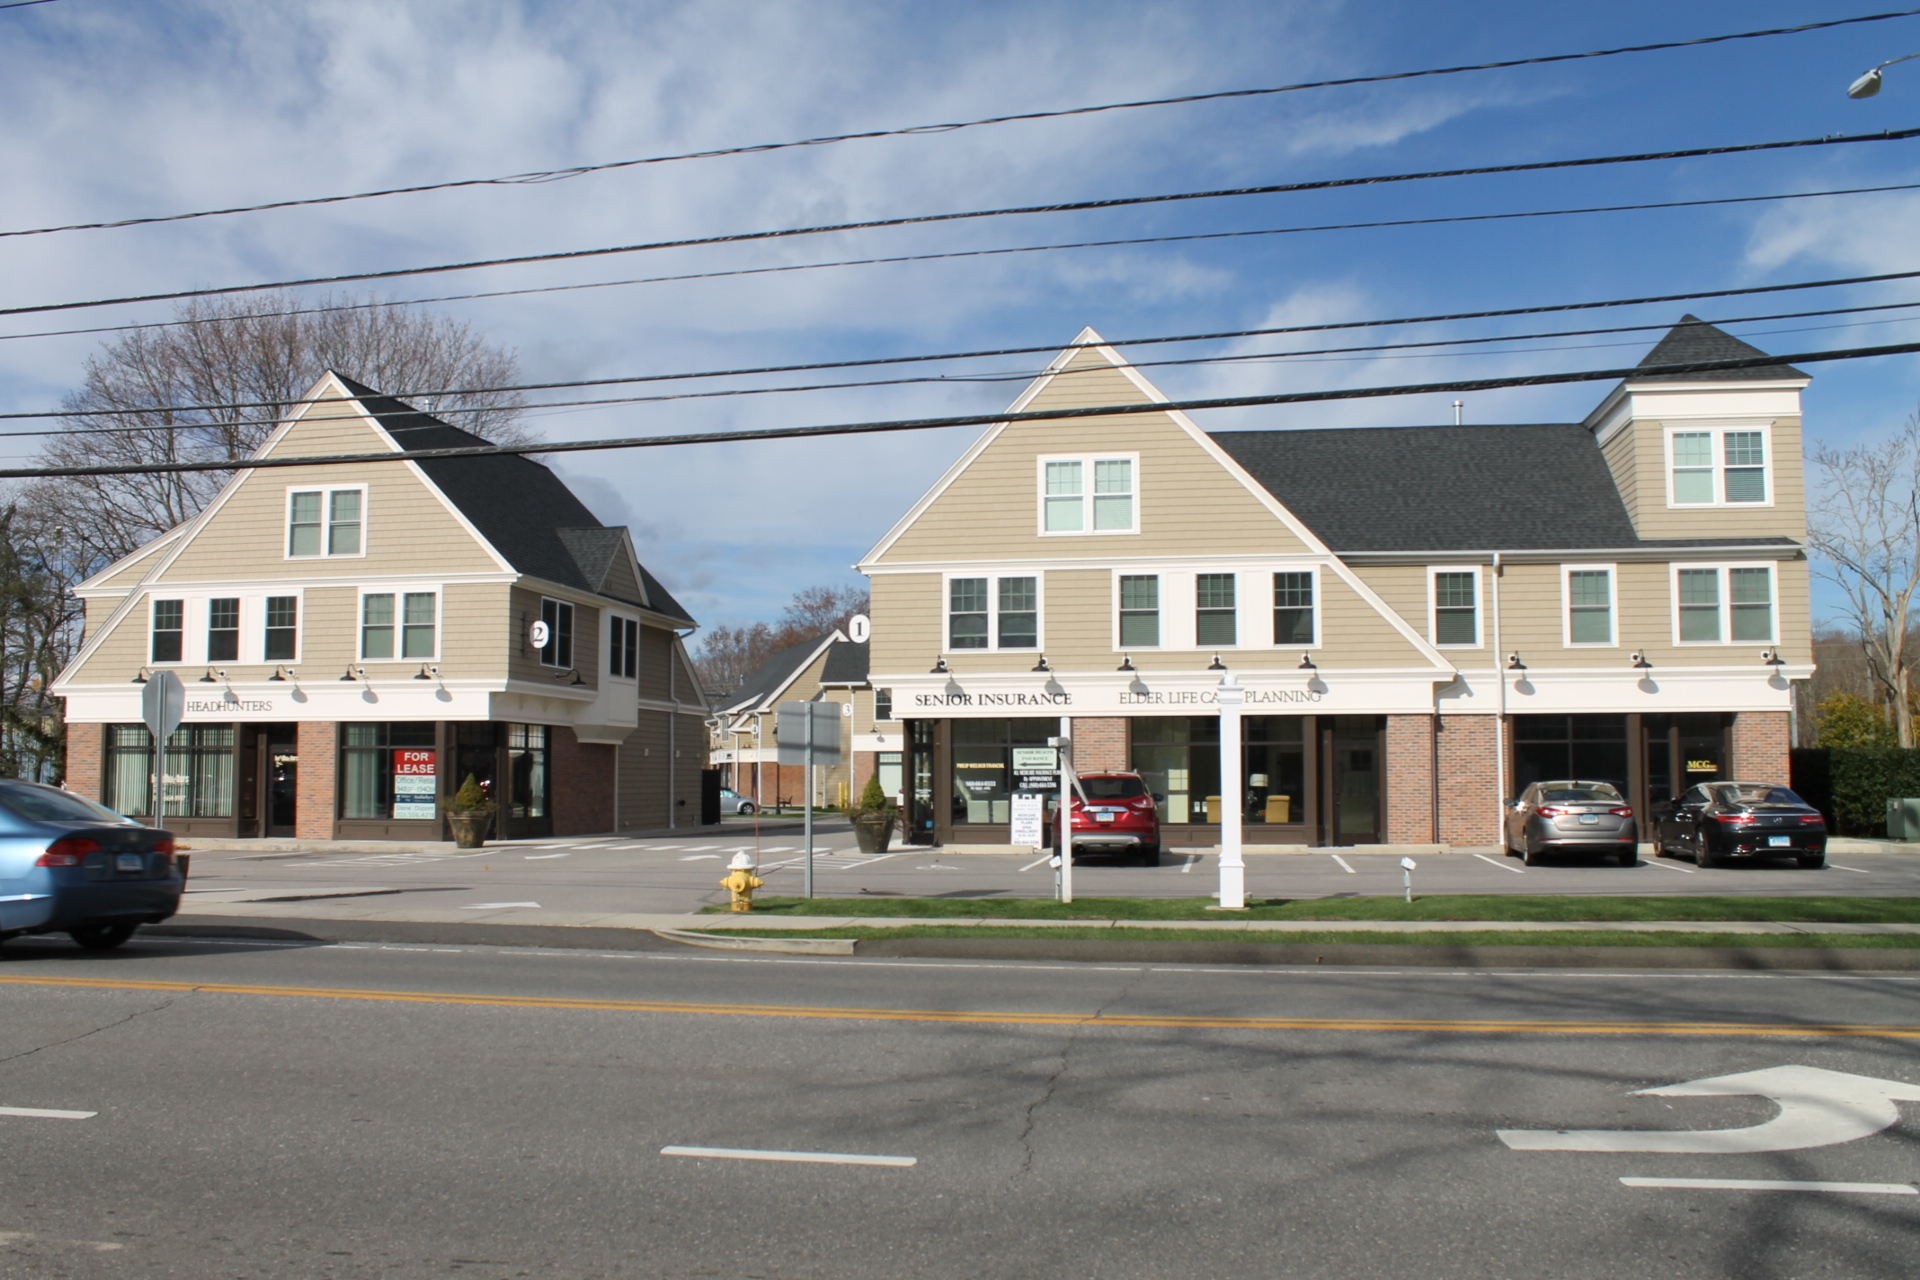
point(138, 565)
point(1403, 588)
point(908, 629)
point(523, 660)
point(656, 651)
point(1354, 634)
point(1188, 502)
point(1623, 462)
point(1785, 516)
point(470, 630)
point(122, 651)
point(642, 782)
point(622, 583)
point(686, 687)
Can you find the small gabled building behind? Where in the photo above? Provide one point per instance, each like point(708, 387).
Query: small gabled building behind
point(357, 639)
point(745, 745)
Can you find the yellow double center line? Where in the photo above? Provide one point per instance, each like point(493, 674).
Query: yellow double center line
point(994, 1017)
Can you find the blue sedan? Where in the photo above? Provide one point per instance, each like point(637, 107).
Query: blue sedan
point(68, 865)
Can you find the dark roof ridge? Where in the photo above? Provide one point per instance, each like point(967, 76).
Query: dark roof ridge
point(1693, 339)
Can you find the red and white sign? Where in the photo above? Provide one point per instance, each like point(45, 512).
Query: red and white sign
point(413, 762)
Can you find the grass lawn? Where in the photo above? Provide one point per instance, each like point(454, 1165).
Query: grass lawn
point(1474, 938)
point(1492, 907)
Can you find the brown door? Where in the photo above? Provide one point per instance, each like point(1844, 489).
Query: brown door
point(1351, 760)
point(281, 777)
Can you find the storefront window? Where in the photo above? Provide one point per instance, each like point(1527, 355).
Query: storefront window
point(527, 761)
point(198, 777)
point(388, 771)
point(983, 765)
point(1274, 772)
point(1582, 748)
point(1179, 757)
point(887, 765)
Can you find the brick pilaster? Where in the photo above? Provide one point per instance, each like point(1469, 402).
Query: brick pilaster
point(583, 782)
point(313, 807)
point(1760, 746)
point(1410, 780)
point(86, 759)
point(1470, 795)
point(1100, 743)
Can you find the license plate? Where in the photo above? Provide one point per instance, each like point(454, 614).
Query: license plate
point(1103, 817)
point(130, 862)
point(1589, 820)
point(1779, 842)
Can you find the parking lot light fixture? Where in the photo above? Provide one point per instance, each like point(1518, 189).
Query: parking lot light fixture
point(1869, 83)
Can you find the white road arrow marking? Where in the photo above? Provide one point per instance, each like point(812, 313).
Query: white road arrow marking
point(1818, 1108)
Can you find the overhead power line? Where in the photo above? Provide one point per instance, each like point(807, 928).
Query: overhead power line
point(554, 175)
point(1075, 206)
point(976, 419)
point(970, 253)
point(1048, 348)
point(22, 4)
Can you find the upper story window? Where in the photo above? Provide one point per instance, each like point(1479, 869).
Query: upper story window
point(623, 647)
point(407, 617)
point(1723, 604)
point(558, 651)
point(1293, 608)
point(1139, 611)
point(279, 643)
point(1215, 610)
point(883, 704)
point(1717, 466)
point(325, 522)
point(169, 630)
point(1456, 607)
point(1589, 603)
point(993, 613)
point(223, 629)
point(1088, 495)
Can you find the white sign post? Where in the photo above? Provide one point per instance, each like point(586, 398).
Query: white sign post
point(809, 734)
point(1233, 867)
point(162, 703)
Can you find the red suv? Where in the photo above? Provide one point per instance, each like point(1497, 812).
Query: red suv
point(1114, 813)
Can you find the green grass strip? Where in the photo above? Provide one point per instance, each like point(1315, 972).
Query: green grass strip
point(1465, 906)
point(1463, 938)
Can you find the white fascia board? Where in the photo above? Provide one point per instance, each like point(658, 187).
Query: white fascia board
point(974, 568)
point(1643, 401)
point(86, 586)
point(1767, 551)
point(1617, 689)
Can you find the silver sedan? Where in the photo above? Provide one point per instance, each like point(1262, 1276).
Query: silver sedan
point(1572, 817)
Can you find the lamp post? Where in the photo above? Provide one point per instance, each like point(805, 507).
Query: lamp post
point(1869, 84)
point(1233, 868)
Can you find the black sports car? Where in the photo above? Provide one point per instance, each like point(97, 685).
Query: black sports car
point(1718, 822)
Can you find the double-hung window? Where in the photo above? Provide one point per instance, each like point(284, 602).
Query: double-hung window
point(397, 625)
point(1215, 611)
point(282, 630)
point(558, 651)
point(1717, 466)
point(223, 629)
point(1456, 607)
point(325, 522)
point(993, 613)
point(623, 647)
point(1139, 611)
point(1724, 605)
point(1589, 594)
point(1088, 495)
point(169, 630)
point(1293, 608)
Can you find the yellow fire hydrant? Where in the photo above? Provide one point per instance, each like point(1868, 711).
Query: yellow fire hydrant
point(741, 882)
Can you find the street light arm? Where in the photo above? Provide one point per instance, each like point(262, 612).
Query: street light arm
point(1869, 83)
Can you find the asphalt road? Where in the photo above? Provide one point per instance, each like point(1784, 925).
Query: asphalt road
point(362, 1111)
point(678, 875)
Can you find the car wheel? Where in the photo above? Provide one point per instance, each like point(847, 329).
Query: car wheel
point(1528, 856)
point(745, 808)
point(1149, 855)
point(102, 937)
point(1813, 862)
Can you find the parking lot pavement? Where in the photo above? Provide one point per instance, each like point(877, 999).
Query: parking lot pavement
point(668, 876)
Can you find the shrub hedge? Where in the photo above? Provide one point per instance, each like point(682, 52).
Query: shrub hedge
point(1852, 785)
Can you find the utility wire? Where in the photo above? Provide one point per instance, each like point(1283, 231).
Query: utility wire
point(968, 253)
point(974, 419)
point(22, 4)
point(1075, 206)
point(1276, 357)
point(553, 175)
point(1046, 349)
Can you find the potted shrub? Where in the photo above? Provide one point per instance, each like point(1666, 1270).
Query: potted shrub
point(873, 818)
point(469, 815)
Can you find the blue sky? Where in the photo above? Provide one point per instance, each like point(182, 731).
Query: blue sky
point(121, 109)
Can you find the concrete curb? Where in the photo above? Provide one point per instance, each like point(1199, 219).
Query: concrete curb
point(791, 946)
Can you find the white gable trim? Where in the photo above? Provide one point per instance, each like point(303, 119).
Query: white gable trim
point(766, 701)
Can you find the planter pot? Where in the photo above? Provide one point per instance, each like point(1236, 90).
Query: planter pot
point(469, 828)
point(873, 831)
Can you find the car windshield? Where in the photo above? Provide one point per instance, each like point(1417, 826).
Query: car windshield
point(1125, 788)
point(50, 804)
point(1575, 792)
point(1755, 793)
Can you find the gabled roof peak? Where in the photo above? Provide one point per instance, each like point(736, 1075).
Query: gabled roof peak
point(1693, 339)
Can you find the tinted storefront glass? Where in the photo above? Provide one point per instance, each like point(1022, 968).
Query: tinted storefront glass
point(1179, 756)
point(983, 765)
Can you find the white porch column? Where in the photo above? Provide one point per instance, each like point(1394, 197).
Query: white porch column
point(1233, 867)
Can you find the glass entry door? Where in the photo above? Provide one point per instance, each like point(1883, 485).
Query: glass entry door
point(1351, 758)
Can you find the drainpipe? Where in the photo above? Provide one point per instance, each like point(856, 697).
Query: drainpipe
point(1500, 718)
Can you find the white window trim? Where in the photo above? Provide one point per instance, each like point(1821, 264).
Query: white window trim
point(993, 611)
point(399, 592)
point(1086, 461)
point(1192, 602)
point(326, 521)
point(1479, 606)
point(1291, 645)
point(186, 632)
point(253, 621)
point(1113, 595)
point(573, 663)
point(1726, 602)
point(1566, 606)
point(1718, 431)
point(639, 647)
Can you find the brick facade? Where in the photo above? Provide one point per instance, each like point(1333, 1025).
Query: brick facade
point(1760, 746)
point(583, 783)
point(313, 805)
point(1100, 743)
point(1409, 780)
point(86, 758)
point(1470, 800)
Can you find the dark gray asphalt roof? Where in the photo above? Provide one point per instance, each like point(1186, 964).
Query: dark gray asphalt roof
point(519, 506)
point(846, 663)
point(780, 667)
point(1695, 339)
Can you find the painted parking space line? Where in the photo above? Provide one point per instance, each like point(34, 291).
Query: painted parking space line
point(1764, 1184)
point(1504, 866)
point(40, 1113)
point(1856, 870)
point(1343, 864)
point(1191, 859)
point(1668, 866)
point(541, 857)
point(1043, 858)
point(496, 906)
point(798, 1157)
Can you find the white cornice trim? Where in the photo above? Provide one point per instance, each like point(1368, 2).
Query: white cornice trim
point(1658, 555)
